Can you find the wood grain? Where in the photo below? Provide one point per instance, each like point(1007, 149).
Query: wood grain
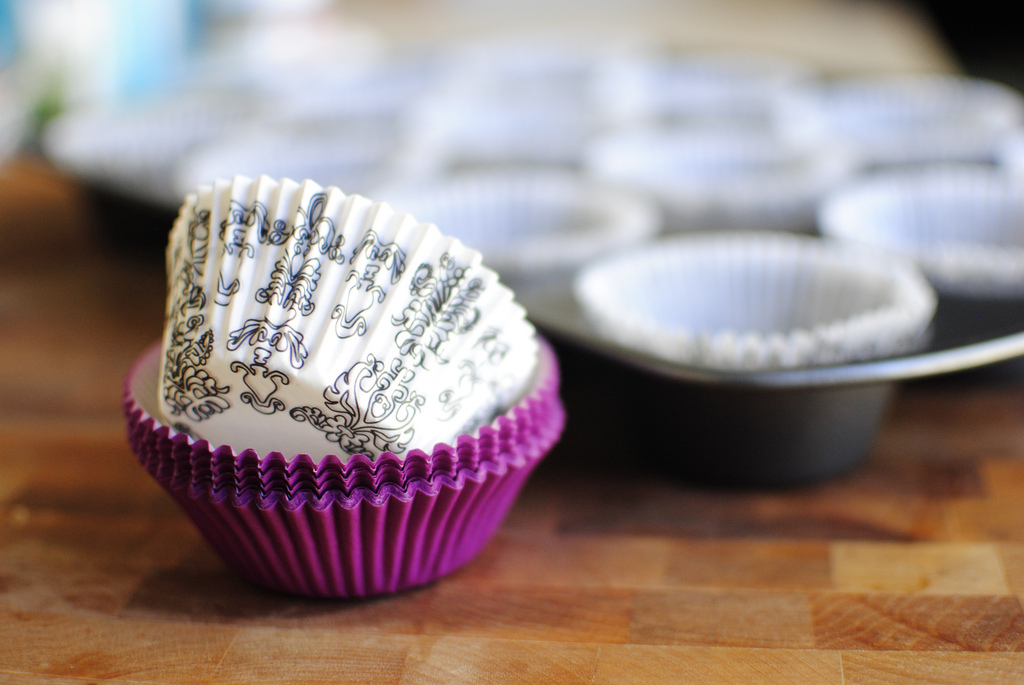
point(312, 656)
point(568, 614)
point(918, 568)
point(878, 668)
point(656, 665)
point(84, 646)
point(918, 622)
point(719, 618)
point(449, 660)
point(760, 564)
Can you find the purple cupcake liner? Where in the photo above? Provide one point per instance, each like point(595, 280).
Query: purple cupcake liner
point(354, 529)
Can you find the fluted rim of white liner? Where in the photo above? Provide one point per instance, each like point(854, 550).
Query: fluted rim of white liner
point(692, 172)
point(704, 83)
point(467, 128)
point(901, 119)
point(356, 156)
point(756, 301)
point(133, 148)
point(383, 88)
point(1010, 153)
point(565, 219)
point(525, 62)
point(963, 224)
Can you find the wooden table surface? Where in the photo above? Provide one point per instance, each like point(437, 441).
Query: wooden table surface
point(909, 569)
point(606, 571)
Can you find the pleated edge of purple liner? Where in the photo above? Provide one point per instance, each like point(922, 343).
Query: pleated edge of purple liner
point(518, 438)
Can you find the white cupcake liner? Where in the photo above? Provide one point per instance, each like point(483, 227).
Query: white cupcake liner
point(530, 69)
point(469, 129)
point(356, 155)
point(530, 100)
point(905, 119)
point(756, 301)
point(962, 224)
point(1010, 153)
point(382, 90)
point(706, 89)
point(305, 321)
point(133, 149)
point(723, 180)
point(529, 223)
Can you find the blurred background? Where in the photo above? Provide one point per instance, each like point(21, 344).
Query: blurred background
point(542, 132)
point(141, 101)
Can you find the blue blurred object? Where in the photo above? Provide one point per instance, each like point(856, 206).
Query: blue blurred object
point(8, 42)
point(150, 44)
point(77, 51)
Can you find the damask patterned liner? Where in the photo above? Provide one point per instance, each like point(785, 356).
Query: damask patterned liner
point(303, 319)
point(351, 529)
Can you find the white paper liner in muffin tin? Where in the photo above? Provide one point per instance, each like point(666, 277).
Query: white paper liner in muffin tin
point(1010, 153)
point(357, 155)
point(381, 89)
point(133, 149)
point(702, 88)
point(306, 321)
point(963, 224)
point(756, 301)
point(530, 223)
point(470, 129)
point(725, 179)
point(905, 119)
point(530, 68)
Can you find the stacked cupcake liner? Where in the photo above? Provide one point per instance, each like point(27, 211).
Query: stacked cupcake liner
point(354, 529)
point(302, 319)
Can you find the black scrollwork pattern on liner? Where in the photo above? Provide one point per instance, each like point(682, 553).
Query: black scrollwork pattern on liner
point(261, 383)
point(452, 398)
point(294, 279)
point(282, 337)
point(225, 291)
point(236, 226)
point(363, 291)
point(199, 237)
point(494, 346)
point(292, 284)
point(369, 409)
point(359, 294)
point(316, 229)
point(242, 219)
point(494, 350)
point(442, 307)
point(188, 388)
point(389, 255)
